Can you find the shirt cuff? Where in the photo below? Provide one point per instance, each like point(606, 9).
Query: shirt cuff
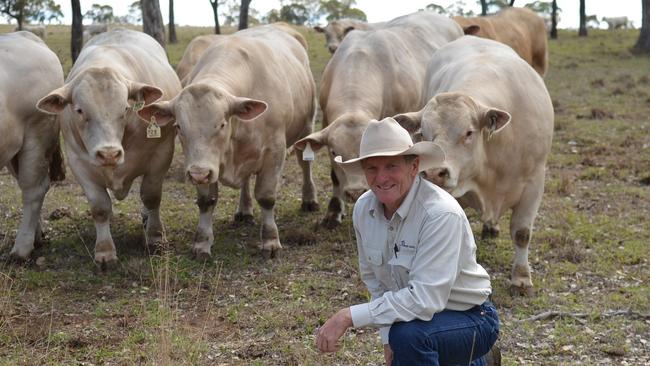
point(383, 333)
point(361, 315)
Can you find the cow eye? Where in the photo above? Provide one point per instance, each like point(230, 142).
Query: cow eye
point(469, 133)
point(78, 110)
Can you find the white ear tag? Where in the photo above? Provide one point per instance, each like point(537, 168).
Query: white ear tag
point(153, 130)
point(138, 105)
point(308, 153)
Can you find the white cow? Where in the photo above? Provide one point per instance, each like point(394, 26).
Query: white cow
point(374, 74)
point(249, 96)
point(616, 22)
point(29, 139)
point(491, 113)
point(38, 30)
point(91, 30)
point(107, 145)
point(336, 30)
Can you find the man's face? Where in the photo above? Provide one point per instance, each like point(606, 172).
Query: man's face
point(390, 178)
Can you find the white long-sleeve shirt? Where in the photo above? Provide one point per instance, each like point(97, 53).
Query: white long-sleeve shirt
point(418, 263)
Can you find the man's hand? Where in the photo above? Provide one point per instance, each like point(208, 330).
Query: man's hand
point(327, 338)
point(388, 354)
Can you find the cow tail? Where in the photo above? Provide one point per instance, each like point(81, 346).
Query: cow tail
point(57, 166)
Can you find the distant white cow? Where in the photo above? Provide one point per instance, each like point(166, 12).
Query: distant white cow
point(492, 115)
point(336, 30)
point(107, 144)
point(38, 30)
point(91, 30)
point(29, 138)
point(616, 22)
point(249, 96)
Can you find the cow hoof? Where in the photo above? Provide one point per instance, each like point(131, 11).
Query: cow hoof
point(271, 249)
point(331, 222)
point(201, 251)
point(526, 291)
point(243, 219)
point(156, 244)
point(310, 206)
point(105, 258)
point(489, 232)
point(20, 254)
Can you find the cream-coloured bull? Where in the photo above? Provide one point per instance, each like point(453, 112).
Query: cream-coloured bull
point(107, 145)
point(616, 22)
point(250, 95)
point(493, 117)
point(336, 30)
point(519, 28)
point(29, 138)
point(38, 30)
point(373, 74)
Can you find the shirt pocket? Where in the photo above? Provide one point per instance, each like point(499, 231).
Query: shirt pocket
point(401, 268)
point(374, 256)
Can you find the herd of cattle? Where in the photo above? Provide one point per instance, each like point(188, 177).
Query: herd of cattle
point(239, 103)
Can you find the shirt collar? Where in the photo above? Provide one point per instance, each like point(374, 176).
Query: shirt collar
point(377, 209)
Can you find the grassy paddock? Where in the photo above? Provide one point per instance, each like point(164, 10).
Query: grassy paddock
point(589, 251)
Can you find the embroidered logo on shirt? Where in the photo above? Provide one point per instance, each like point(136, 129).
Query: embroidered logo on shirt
point(404, 245)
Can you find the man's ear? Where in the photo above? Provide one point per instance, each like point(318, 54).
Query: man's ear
point(493, 119)
point(247, 109)
point(54, 102)
point(471, 30)
point(410, 121)
point(143, 92)
point(161, 111)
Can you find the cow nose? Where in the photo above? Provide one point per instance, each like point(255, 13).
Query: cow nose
point(352, 195)
point(109, 156)
point(438, 176)
point(199, 175)
point(332, 49)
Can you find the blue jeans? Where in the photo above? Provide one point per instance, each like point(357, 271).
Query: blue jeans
point(449, 338)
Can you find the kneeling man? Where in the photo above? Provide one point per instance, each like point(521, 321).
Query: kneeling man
point(417, 257)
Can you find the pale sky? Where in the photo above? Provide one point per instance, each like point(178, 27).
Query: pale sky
point(199, 12)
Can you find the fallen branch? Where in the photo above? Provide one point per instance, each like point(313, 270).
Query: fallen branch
point(563, 314)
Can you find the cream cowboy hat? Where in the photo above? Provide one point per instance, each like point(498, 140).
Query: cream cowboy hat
point(388, 138)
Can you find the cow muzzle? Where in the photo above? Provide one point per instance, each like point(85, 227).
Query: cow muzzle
point(199, 175)
point(352, 195)
point(439, 176)
point(109, 156)
point(332, 48)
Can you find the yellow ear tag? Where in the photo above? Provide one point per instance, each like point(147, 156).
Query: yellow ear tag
point(138, 105)
point(153, 130)
point(308, 153)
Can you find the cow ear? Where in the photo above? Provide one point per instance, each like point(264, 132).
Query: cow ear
point(248, 109)
point(54, 102)
point(348, 30)
point(316, 140)
point(162, 112)
point(143, 92)
point(410, 121)
point(471, 30)
point(493, 120)
point(319, 29)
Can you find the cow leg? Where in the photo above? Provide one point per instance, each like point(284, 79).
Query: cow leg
point(244, 212)
point(309, 203)
point(266, 187)
point(521, 227)
point(207, 195)
point(101, 210)
point(34, 183)
point(334, 215)
point(150, 195)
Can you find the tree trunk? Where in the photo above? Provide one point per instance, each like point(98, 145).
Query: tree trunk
point(77, 37)
point(243, 14)
point(21, 17)
point(152, 20)
point(483, 8)
point(172, 26)
point(643, 44)
point(554, 20)
point(215, 5)
point(512, 3)
point(582, 32)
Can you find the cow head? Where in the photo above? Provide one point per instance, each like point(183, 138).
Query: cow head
point(342, 137)
point(100, 105)
point(462, 127)
point(334, 34)
point(205, 117)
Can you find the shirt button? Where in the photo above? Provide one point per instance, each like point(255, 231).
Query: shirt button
point(391, 228)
